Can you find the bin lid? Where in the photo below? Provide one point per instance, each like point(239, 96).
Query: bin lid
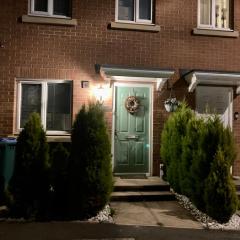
point(8, 140)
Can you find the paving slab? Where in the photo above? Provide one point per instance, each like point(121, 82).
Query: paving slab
point(164, 213)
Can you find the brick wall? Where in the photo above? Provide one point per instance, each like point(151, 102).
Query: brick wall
point(63, 52)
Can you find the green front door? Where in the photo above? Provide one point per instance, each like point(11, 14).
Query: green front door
point(131, 136)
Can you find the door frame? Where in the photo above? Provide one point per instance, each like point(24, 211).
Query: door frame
point(151, 91)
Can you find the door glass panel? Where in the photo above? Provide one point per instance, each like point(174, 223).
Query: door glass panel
point(41, 5)
point(126, 10)
point(31, 101)
point(59, 107)
point(205, 12)
point(145, 9)
point(61, 7)
point(222, 13)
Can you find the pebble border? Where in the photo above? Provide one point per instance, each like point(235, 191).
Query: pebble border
point(204, 219)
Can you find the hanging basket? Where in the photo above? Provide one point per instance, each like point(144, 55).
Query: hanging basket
point(171, 104)
point(132, 104)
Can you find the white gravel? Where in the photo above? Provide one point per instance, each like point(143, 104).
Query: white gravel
point(204, 219)
point(103, 216)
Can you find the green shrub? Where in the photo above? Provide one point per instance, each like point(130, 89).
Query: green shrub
point(171, 144)
point(29, 185)
point(212, 135)
point(59, 158)
point(220, 193)
point(200, 166)
point(190, 153)
point(90, 177)
point(188, 149)
point(165, 145)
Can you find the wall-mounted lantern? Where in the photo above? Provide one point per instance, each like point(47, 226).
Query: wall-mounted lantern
point(101, 94)
point(236, 115)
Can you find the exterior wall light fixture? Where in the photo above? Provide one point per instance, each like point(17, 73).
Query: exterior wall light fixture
point(236, 115)
point(100, 94)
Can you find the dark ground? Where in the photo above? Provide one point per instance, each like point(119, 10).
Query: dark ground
point(80, 230)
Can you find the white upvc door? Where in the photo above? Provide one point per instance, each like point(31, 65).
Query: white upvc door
point(215, 100)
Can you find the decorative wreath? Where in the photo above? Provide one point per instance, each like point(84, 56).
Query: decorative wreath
point(132, 104)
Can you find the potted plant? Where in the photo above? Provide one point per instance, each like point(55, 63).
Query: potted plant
point(171, 104)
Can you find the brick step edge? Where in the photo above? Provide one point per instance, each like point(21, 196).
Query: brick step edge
point(144, 188)
point(142, 196)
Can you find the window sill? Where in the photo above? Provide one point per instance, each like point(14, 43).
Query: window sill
point(49, 20)
point(135, 26)
point(215, 33)
point(50, 138)
point(63, 138)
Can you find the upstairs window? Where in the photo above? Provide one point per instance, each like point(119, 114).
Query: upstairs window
point(50, 8)
point(134, 11)
point(214, 14)
point(50, 99)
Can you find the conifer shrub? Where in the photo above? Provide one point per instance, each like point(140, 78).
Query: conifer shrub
point(190, 153)
point(200, 165)
point(189, 150)
point(59, 159)
point(220, 193)
point(90, 172)
point(171, 144)
point(29, 185)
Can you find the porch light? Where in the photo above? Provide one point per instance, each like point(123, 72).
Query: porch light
point(236, 115)
point(100, 94)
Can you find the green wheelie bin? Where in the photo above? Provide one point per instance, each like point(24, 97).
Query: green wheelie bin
point(7, 159)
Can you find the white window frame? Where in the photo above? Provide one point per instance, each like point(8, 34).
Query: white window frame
point(229, 108)
point(213, 18)
point(44, 100)
point(49, 13)
point(136, 14)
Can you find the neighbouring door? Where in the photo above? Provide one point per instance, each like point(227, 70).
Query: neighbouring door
point(131, 136)
point(215, 100)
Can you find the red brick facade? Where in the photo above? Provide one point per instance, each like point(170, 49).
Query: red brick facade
point(38, 51)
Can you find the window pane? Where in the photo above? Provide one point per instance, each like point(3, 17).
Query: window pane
point(31, 101)
point(126, 10)
point(41, 5)
point(205, 12)
point(61, 7)
point(145, 9)
point(222, 13)
point(59, 107)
